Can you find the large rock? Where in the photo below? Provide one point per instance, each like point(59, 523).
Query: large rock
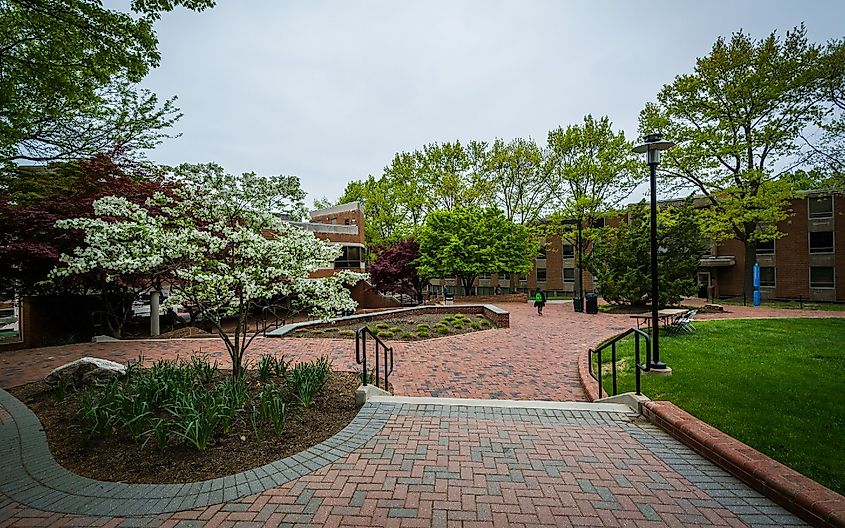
point(86, 370)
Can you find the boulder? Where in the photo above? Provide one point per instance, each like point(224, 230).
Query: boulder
point(85, 371)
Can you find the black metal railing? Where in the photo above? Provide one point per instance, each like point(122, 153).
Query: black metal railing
point(384, 367)
point(270, 319)
point(611, 343)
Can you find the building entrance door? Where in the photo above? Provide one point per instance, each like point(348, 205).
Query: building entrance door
point(703, 284)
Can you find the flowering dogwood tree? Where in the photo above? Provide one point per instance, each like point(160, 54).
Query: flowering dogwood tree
point(221, 243)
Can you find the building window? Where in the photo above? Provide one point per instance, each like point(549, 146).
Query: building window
point(767, 276)
point(821, 277)
point(484, 276)
point(766, 248)
point(504, 276)
point(346, 221)
point(541, 274)
point(541, 254)
point(821, 207)
point(821, 242)
point(351, 257)
point(568, 251)
point(523, 279)
point(568, 274)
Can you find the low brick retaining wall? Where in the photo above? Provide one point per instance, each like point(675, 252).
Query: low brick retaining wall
point(499, 317)
point(799, 494)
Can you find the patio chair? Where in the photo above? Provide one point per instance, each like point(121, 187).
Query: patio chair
point(682, 324)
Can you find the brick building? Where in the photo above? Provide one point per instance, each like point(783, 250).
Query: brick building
point(343, 224)
point(555, 272)
point(807, 262)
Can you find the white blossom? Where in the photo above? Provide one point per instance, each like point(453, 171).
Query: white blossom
point(220, 244)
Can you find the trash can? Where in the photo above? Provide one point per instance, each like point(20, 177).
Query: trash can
point(578, 304)
point(592, 303)
point(448, 298)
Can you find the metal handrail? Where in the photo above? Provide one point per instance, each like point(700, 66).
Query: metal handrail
point(612, 344)
point(361, 356)
point(270, 310)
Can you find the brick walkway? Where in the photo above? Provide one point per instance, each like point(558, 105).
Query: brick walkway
point(413, 464)
point(535, 359)
point(432, 465)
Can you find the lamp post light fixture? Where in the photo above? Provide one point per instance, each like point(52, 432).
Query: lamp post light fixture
point(654, 144)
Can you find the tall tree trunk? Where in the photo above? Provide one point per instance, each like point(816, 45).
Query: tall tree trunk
point(467, 281)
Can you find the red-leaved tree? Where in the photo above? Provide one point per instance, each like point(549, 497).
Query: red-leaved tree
point(34, 198)
point(395, 271)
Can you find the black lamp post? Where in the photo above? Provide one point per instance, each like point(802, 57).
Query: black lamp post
point(654, 144)
point(578, 302)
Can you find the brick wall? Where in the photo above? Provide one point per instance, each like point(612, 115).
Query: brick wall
point(792, 258)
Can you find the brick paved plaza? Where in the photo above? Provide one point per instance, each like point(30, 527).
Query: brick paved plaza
point(413, 464)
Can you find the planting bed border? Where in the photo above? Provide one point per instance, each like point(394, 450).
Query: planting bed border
point(500, 318)
point(797, 493)
point(32, 477)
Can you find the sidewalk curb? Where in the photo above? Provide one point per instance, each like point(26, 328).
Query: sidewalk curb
point(801, 495)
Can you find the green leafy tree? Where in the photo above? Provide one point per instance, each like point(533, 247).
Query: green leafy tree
point(69, 69)
point(620, 256)
point(454, 175)
point(438, 177)
point(737, 120)
point(594, 167)
point(827, 144)
point(383, 204)
point(522, 183)
point(468, 241)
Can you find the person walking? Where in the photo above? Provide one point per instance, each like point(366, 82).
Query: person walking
point(539, 301)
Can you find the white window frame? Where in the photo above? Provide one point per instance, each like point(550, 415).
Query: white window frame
point(810, 277)
point(810, 214)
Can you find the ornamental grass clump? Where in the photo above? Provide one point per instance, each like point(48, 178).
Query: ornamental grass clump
point(176, 401)
point(441, 329)
point(273, 408)
point(308, 378)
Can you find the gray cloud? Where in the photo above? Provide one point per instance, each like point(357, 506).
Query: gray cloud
point(329, 91)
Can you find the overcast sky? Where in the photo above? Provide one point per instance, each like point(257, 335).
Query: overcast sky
point(330, 91)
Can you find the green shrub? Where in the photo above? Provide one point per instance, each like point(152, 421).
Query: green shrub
point(484, 322)
point(308, 378)
point(382, 326)
point(441, 329)
point(61, 389)
point(282, 366)
point(385, 333)
point(330, 330)
point(407, 335)
point(395, 329)
point(202, 370)
point(255, 423)
point(423, 333)
point(423, 326)
point(273, 406)
point(197, 415)
point(266, 367)
point(475, 325)
point(346, 332)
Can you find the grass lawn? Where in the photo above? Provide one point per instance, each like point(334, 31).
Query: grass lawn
point(775, 384)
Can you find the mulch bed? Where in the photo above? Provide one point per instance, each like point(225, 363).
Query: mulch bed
point(407, 324)
point(119, 458)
